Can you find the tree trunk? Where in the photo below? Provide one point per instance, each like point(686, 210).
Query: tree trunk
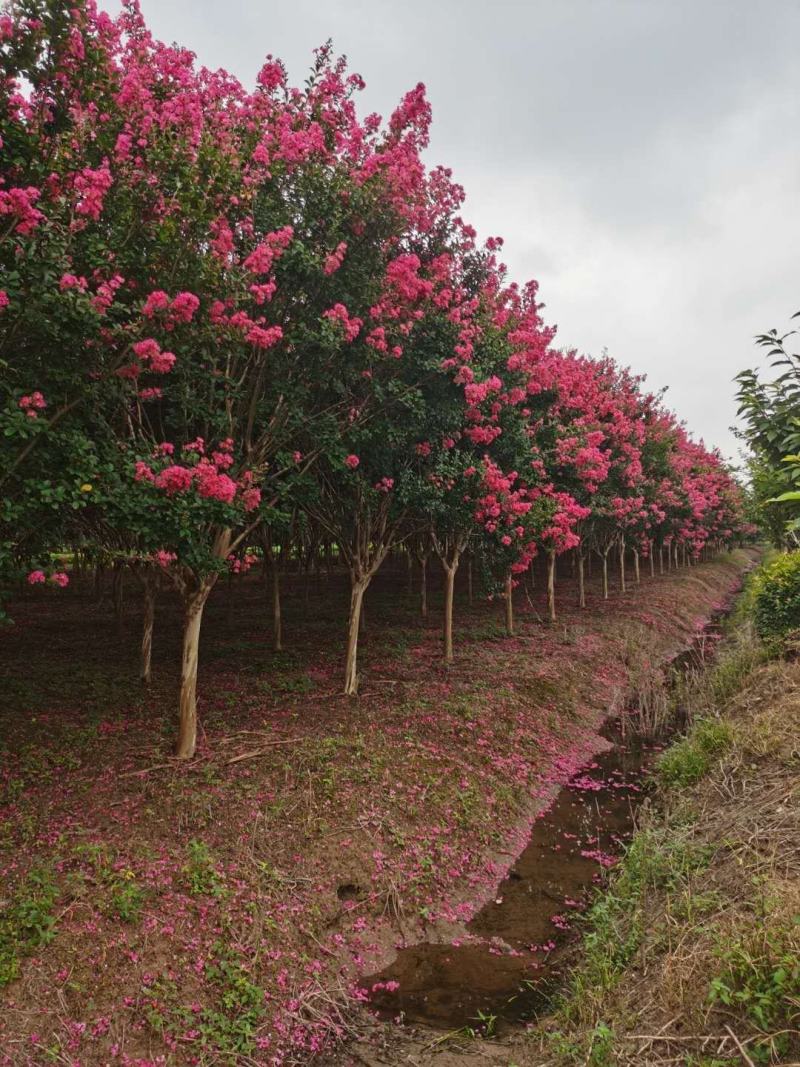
point(423, 587)
point(509, 598)
point(660, 559)
point(307, 585)
point(357, 589)
point(652, 560)
point(636, 575)
point(277, 621)
point(449, 587)
point(229, 600)
point(187, 709)
point(118, 595)
point(148, 620)
point(551, 585)
point(581, 583)
point(605, 575)
point(622, 566)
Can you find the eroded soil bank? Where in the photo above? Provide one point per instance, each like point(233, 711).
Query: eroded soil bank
point(227, 911)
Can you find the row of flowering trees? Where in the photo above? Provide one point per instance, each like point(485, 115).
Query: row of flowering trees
point(234, 318)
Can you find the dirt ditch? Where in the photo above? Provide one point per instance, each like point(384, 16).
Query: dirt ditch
point(505, 970)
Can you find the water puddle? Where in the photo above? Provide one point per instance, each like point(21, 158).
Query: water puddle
point(507, 968)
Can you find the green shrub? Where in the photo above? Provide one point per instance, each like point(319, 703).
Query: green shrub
point(776, 603)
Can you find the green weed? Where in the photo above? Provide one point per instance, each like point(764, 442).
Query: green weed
point(27, 922)
point(691, 758)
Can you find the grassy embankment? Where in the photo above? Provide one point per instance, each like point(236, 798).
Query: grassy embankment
point(692, 956)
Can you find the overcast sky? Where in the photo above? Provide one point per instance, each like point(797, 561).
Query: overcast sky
point(640, 157)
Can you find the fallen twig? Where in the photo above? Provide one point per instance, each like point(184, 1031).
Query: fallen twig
point(740, 1047)
point(160, 767)
point(260, 751)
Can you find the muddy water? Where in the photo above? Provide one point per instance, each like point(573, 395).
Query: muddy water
point(517, 939)
point(510, 963)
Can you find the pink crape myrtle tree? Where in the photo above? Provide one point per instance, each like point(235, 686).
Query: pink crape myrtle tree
point(223, 307)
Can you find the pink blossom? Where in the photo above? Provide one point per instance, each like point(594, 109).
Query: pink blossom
point(36, 578)
point(339, 313)
point(92, 186)
point(71, 281)
point(251, 498)
point(184, 306)
point(19, 203)
point(212, 485)
point(33, 404)
point(142, 472)
point(174, 479)
point(263, 293)
point(334, 260)
point(264, 338)
point(146, 349)
point(352, 462)
point(162, 363)
point(156, 301)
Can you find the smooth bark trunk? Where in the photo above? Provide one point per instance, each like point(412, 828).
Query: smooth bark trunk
point(636, 574)
point(423, 587)
point(622, 567)
point(357, 589)
point(551, 585)
point(118, 595)
point(449, 588)
point(605, 575)
point(277, 619)
point(509, 598)
point(148, 622)
point(187, 707)
point(581, 582)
